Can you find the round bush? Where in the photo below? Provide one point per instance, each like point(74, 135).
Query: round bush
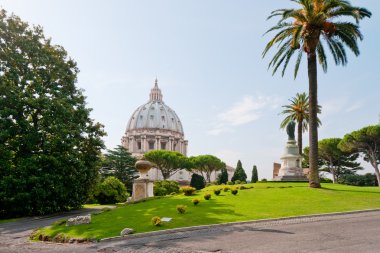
point(165, 187)
point(230, 183)
point(207, 196)
point(156, 221)
point(197, 181)
point(217, 192)
point(195, 201)
point(181, 209)
point(226, 189)
point(234, 191)
point(110, 191)
point(188, 190)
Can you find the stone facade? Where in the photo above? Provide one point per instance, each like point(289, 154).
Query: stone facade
point(154, 126)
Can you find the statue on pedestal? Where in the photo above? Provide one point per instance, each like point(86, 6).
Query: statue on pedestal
point(291, 169)
point(290, 130)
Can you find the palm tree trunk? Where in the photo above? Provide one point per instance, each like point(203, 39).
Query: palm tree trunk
point(299, 136)
point(313, 122)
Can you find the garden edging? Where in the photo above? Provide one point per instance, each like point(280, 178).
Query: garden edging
point(201, 227)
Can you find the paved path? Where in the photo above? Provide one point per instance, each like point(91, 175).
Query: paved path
point(358, 232)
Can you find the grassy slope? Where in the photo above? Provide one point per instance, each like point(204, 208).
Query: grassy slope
point(258, 203)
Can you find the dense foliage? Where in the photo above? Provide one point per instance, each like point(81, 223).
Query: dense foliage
point(168, 162)
point(336, 161)
point(359, 180)
point(49, 146)
point(206, 165)
point(121, 164)
point(255, 175)
point(197, 181)
point(110, 191)
point(365, 141)
point(165, 187)
point(222, 176)
point(239, 174)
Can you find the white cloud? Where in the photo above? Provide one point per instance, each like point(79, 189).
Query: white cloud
point(247, 110)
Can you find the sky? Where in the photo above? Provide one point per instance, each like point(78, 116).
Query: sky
point(206, 55)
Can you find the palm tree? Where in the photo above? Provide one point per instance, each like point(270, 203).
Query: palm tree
point(298, 110)
point(308, 30)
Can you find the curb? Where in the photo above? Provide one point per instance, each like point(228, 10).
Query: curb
point(228, 224)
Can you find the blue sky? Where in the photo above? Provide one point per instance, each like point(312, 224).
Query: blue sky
point(207, 58)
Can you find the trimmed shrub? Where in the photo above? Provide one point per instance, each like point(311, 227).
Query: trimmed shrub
point(230, 183)
point(181, 209)
point(188, 190)
point(226, 189)
point(264, 180)
point(111, 191)
point(359, 180)
point(234, 191)
point(242, 187)
point(156, 221)
point(197, 181)
point(207, 196)
point(325, 180)
point(165, 187)
point(217, 192)
point(195, 201)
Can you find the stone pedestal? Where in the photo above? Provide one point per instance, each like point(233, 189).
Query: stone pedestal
point(291, 168)
point(142, 188)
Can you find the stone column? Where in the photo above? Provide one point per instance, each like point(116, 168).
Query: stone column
point(185, 151)
point(181, 147)
point(143, 141)
point(170, 144)
point(131, 143)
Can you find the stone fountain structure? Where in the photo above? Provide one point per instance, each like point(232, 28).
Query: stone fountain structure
point(142, 186)
point(291, 165)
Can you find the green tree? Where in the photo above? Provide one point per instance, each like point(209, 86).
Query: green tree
point(168, 162)
point(197, 181)
point(365, 141)
point(206, 165)
point(308, 29)
point(255, 176)
point(239, 173)
point(336, 161)
point(49, 145)
point(298, 110)
point(111, 191)
point(121, 164)
point(223, 176)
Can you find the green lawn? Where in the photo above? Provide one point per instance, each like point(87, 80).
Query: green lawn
point(261, 202)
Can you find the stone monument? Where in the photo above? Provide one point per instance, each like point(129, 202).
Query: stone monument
point(142, 186)
point(291, 168)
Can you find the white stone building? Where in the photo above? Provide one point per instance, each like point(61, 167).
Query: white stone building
point(155, 126)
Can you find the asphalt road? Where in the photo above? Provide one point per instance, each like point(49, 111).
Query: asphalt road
point(358, 232)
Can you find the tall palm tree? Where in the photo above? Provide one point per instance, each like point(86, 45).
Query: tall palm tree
point(308, 29)
point(298, 110)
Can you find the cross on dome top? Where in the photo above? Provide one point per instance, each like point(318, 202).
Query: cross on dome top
point(155, 92)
